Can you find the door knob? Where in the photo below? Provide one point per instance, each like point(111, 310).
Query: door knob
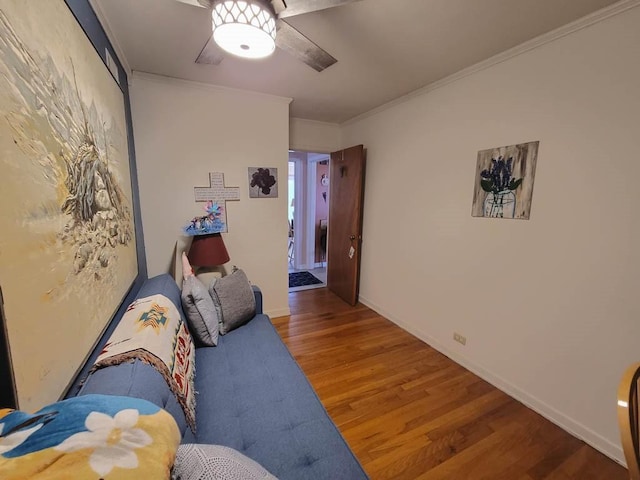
point(352, 237)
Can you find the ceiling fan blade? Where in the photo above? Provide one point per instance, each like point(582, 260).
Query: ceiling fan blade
point(293, 42)
point(298, 7)
point(211, 53)
point(198, 3)
point(278, 6)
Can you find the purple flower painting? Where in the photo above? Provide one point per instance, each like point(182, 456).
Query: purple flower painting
point(504, 181)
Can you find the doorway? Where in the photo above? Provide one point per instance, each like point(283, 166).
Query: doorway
point(308, 219)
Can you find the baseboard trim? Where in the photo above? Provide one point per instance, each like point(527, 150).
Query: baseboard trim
point(312, 266)
point(280, 312)
point(575, 428)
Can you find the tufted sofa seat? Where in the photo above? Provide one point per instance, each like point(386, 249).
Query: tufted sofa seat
point(252, 396)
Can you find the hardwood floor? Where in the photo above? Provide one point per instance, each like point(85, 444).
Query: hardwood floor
point(408, 412)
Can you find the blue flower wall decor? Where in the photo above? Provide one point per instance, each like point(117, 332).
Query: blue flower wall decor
point(209, 223)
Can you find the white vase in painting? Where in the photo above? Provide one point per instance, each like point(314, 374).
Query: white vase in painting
point(500, 205)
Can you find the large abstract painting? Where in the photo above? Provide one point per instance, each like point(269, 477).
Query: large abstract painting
point(67, 238)
point(504, 181)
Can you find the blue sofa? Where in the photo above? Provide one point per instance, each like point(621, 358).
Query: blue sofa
point(252, 396)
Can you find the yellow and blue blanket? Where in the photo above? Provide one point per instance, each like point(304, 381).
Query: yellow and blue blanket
point(90, 437)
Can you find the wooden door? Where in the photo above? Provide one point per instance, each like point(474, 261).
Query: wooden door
point(346, 195)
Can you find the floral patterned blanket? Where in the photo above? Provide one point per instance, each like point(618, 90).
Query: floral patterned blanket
point(89, 437)
point(153, 331)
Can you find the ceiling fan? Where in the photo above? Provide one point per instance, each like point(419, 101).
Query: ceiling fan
point(253, 28)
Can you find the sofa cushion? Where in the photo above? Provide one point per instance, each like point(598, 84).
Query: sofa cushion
point(203, 462)
point(234, 298)
point(163, 284)
point(136, 379)
point(260, 403)
point(200, 311)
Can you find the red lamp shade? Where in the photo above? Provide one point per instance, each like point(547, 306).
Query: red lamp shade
point(208, 251)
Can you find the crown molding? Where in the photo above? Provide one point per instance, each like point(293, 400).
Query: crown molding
point(553, 35)
point(152, 77)
point(314, 122)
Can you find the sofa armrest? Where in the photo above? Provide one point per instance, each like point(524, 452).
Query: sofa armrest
point(258, 294)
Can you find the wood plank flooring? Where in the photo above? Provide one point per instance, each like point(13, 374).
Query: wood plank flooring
point(409, 412)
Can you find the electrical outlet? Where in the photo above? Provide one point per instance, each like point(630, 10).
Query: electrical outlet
point(459, 338)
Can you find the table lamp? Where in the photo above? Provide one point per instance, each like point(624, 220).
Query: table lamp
point(208, 253)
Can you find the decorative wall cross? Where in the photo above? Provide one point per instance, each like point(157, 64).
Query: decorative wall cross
point(216, 196)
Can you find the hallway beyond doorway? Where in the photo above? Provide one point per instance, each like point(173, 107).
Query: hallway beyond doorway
point(308, 209)
point(319, 273)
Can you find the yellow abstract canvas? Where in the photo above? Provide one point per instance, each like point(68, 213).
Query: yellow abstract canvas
point(67, 237)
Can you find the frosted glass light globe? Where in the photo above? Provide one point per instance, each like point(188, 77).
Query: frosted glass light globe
point(244, 28)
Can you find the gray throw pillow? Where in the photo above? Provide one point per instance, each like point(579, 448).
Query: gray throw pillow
point(215, 462)
point(234, 299)
point(201, 313)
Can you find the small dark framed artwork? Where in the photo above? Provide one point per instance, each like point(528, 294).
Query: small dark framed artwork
point(263, 182)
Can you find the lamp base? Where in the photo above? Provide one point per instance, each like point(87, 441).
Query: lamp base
point(207, 274)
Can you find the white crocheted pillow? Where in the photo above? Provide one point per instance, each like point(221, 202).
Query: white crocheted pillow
point(215, 462)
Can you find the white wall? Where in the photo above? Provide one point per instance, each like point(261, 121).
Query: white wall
point(313, 136)
point(183, 131)
point(550, 306)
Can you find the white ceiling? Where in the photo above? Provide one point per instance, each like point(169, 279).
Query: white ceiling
point(385, 48)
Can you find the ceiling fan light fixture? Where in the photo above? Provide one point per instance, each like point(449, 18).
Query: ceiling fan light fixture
point(246, 28)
